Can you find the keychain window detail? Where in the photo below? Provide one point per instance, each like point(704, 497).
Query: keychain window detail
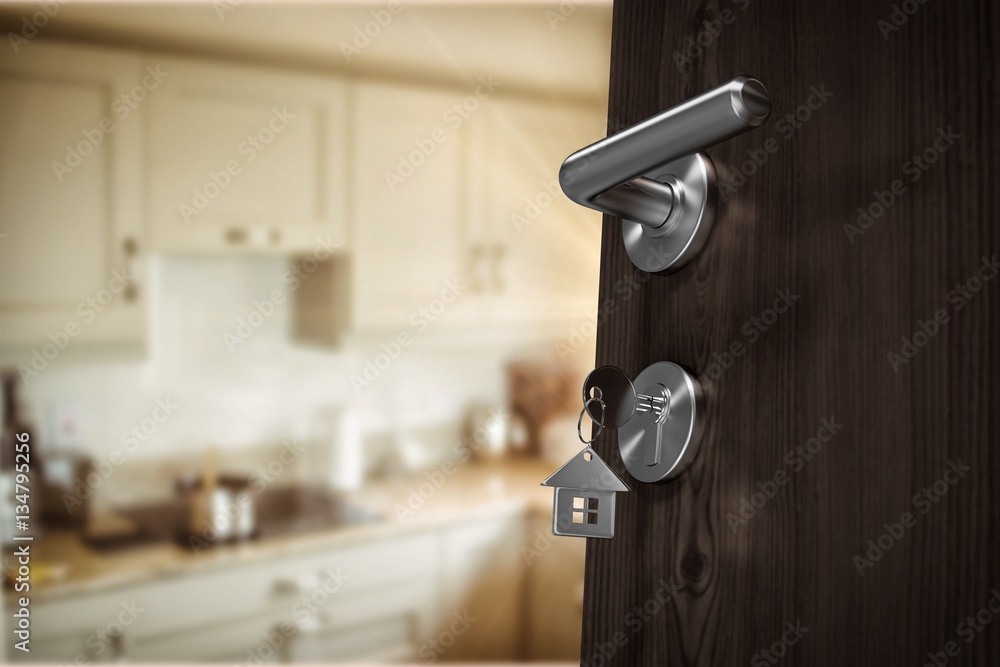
point(585, 510)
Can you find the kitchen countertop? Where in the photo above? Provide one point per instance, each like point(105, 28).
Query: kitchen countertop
point(62, 565)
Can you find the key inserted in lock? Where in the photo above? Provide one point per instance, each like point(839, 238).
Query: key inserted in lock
point(660, 425)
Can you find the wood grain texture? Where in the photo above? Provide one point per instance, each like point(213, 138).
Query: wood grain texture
point(733, 591)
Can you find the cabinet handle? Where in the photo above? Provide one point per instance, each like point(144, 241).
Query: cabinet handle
point(286, 587)
point(297, 585)
point(476, 253)
point(130, 252)
point(499, 251)
point(656, 177)
point(236, 236)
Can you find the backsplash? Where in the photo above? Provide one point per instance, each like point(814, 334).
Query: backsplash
point(192, 392)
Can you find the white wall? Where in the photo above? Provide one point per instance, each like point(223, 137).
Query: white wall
point(262, 393)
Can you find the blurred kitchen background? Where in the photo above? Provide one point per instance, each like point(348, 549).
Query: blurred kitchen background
point(296, 317)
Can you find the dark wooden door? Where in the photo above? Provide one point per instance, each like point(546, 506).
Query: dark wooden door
point(843, 509)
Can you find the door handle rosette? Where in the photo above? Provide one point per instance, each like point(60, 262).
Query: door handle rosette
point(656, 177)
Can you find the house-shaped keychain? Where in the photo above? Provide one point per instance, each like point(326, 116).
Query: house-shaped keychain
point(584, 504)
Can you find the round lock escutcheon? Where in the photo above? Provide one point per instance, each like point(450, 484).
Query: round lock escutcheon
point(657, 445)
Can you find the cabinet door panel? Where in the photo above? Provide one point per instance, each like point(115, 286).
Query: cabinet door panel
point(58, 261)
point(408, 185)
point(270, 142)
point(65, 651)
point(69, 196)
point(484, 581)
point(246, 156)
point(540, 250)
point(388, 624)
point(555, 589)
point(246, 640)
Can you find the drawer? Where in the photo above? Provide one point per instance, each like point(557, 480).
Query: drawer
point(217, 593)
point(308, 580)
point(387, 625)
point(246, 640)
point(65, 651)
point(483, 579)
point(388, 622)
point(78, 617)
point(468, 546)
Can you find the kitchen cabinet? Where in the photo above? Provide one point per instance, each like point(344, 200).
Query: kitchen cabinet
point(359, 602)
point(451, 592)
point(555, 566)
point(517, 216)
point(390, 625)
point(484, 175)
point(296, 607)
point(385, 622)
point(71, 236)
point(408, 188)
point(246, 158)
point(484, 578)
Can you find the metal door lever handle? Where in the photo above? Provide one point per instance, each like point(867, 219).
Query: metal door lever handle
point(654, 174)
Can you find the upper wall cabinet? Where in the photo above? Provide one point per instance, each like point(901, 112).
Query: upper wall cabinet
point(70, 192)
point(245, 158)
point(531, 252)
point(459, 212)
point(408, 189)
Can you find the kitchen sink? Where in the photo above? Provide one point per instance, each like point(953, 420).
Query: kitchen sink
point(299, 509)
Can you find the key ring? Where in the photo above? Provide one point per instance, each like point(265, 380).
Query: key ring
point(596, 398)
